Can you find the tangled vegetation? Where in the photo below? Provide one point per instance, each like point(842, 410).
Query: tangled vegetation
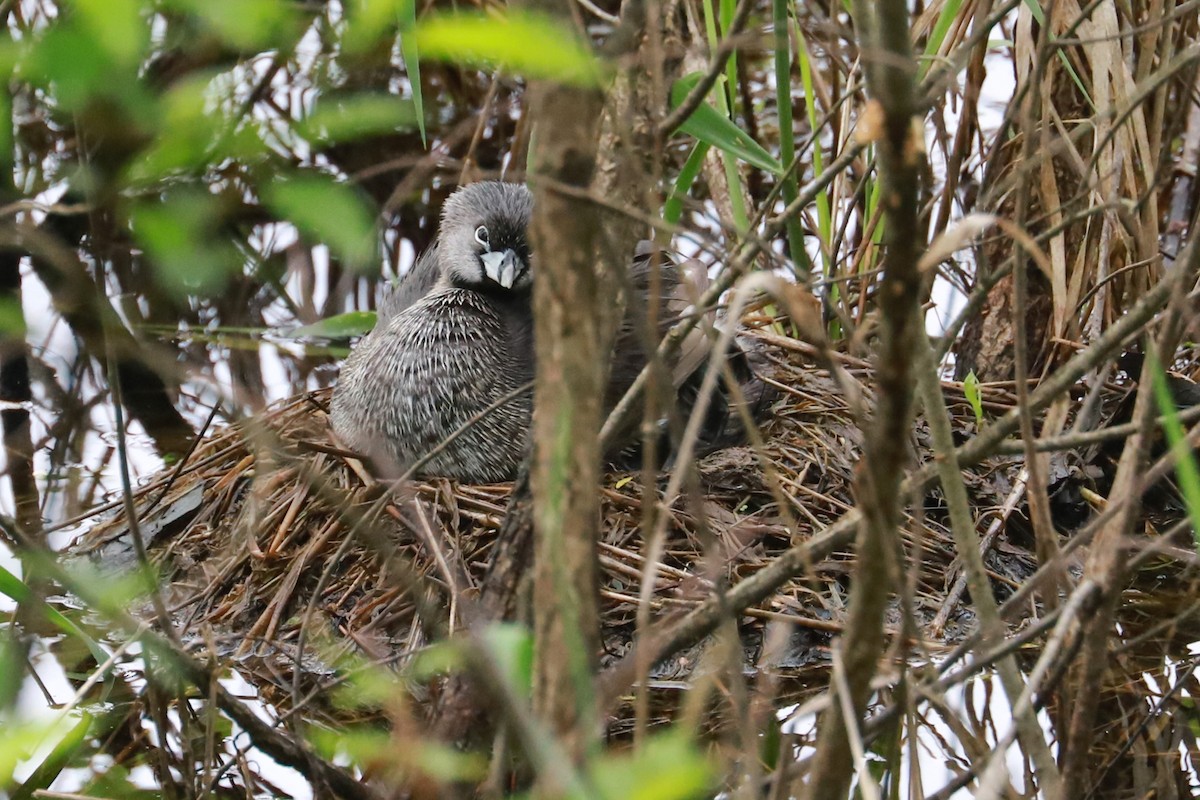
point(954, 553)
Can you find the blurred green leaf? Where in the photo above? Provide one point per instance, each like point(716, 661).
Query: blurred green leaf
point(339, 326)
point(187, 130)
point(56, 760)
point(107, 591)
point(824, 214)
point(6, 122)
point(449, 764)
point(11, 54)
point(115, 781)
point(668, 767)
point(116, 26)
point(712, 127)
point(330, 212)
point(946, 18)
point(361, 744)
point(526, 44)
point(72, 63)
point(183, 235)
point(12, 669)
point(342, 119)
point(511, 648)
point(973, 395)
point(769, 740)
point(93, 52)
point(246, 25)
point(17, 740)
point(12, 318)
point(367, 686)
point(14, 588)
point(787, 134)
point(439, 658)
point(367, 745)
point(369, 22)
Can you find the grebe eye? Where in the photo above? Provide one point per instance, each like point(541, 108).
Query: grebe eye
point(481, 235)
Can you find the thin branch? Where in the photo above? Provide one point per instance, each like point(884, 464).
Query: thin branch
point(265, 736)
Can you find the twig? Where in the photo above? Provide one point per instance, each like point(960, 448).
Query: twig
point(960, 582)
point(1106, 564)
point(995, 772)
point(275, 743)
point(884, 39)
point(966, 542)
point(672, 635)
point(622, 412)
point(1075, 441)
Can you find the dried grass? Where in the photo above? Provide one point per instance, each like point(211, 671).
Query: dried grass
point(265, 553)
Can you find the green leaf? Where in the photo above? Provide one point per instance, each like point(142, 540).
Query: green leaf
point(12, 670)
point(946, 18)
point(11, 54)
point(330, 212)
point(824, 215)
point(412, 60)
point(18, 739)
point(511, 647)
point(367, 687)
point(246, 25)
point(440, 658)
point(183, 235)
point(116, 26)
point(1035, 8)
point(369, 21)
point(971, 392)
point(346, 118)
point(12, 317)
point(711, 127)
point(56, 760)
point(93, 52)
point(71, 63)
point(339, 326)
point(668, 767)
point(769, 740)
point(187, 131)
point(1187, 471)
point(115, 781)
point(673, 208)
point(448, 764)
point(527, 44)
point(14, 588)
point(363, 745)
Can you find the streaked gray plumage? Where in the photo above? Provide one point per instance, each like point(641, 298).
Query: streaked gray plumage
point(450, 341)
point(456, 335)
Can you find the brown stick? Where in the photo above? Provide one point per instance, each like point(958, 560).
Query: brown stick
point(92, 318)
point(1107, 564)
point(572, 335)
point(890, 78)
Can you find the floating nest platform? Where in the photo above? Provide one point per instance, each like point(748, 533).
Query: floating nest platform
point(252, 534)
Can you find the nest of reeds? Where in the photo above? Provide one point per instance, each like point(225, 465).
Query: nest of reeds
point(272, 539)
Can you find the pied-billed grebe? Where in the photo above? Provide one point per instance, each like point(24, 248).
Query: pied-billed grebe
point(455, 336)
